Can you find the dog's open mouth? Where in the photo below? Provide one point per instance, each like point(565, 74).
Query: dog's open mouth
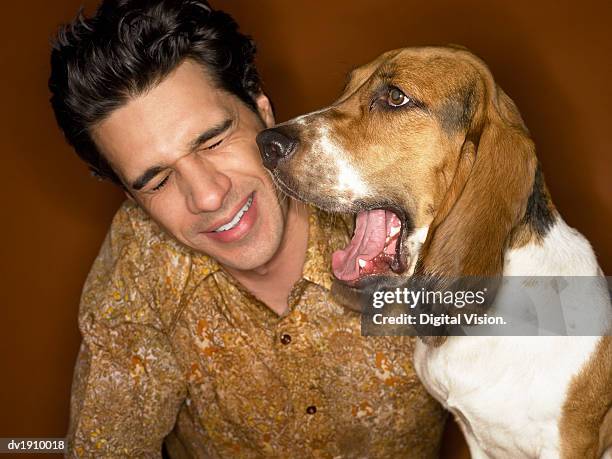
point(374, 249)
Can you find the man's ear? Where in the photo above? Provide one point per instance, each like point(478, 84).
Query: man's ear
point(264, 107)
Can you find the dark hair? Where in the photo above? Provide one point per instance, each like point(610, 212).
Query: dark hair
point(129, 46)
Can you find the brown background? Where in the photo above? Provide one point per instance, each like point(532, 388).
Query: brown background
point(552, 57)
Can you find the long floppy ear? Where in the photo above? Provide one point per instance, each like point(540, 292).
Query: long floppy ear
point(488, 194)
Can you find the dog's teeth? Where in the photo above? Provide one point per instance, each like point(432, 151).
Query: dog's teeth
point(362, 262)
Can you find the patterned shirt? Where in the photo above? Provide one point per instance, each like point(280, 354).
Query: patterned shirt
point(174, 349)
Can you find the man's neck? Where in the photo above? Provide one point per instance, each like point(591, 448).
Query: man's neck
point(272, 282)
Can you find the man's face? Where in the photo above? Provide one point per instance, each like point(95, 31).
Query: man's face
point(186, 151)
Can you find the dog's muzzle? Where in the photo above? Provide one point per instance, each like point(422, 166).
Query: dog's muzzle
point(275, 145)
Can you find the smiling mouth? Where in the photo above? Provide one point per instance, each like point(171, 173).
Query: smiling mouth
point(374, 249)
point(237, 217)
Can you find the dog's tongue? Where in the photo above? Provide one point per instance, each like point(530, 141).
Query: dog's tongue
point(375, 234)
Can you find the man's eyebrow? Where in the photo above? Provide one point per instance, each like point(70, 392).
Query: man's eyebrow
point(204, 137)
point(141, 181)
point(210, 133)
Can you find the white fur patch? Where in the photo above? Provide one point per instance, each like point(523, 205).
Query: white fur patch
point(413, 246)
point(348, 180)
point(507, 392)
point(563, 252)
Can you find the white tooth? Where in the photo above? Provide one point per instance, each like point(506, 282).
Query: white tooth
point(362, 263)
point(394, 230)
point(237, 217)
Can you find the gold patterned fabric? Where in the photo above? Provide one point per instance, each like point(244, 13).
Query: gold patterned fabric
point(175, 349)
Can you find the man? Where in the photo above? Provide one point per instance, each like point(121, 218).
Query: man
point(206, 319)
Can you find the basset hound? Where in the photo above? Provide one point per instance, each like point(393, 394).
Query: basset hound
point(435, 161)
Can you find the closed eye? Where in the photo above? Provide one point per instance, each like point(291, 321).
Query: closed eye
point(161, 184)
point(214, 145)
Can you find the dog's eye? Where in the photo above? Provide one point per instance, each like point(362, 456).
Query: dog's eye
point(396, 98)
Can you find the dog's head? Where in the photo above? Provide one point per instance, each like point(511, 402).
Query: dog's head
point(422, 142)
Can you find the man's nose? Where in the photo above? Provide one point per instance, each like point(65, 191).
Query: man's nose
point(205, 188)
point(274, 145)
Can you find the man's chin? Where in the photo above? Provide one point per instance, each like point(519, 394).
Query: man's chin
point(256, 261)
point(252, 253)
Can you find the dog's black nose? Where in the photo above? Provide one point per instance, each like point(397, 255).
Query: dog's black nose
point(275, 145)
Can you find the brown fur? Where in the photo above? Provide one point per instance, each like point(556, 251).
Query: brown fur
point(459, 161)
point(586, 422)
point(487, 198)
point(469, 160)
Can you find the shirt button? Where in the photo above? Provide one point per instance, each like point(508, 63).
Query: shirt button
point(311, 409)
point(285, 338)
